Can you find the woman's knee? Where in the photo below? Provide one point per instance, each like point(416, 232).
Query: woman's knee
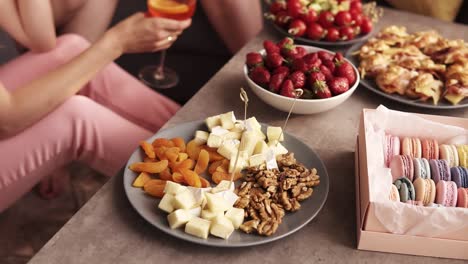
point(78, 107)
point(69, 46)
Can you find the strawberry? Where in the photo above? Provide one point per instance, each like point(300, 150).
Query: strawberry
point(282, 18)
point(287, 89)
point(281, 69)
point(309, 16)
point(321, 90)
point(333, 34)
point(301, 52)
point(270, 47)
point(260, 76)
point(285, 42)
point(299, 65)
point(356, 6)
point(309, 58)
point(277, 6)
point(253, 59)
point(298, 79)
point(315, 31)
point(338, 57)
point(326, 19)
point(273, 60)
point(343, 18)
point(325, 56)
point(366, 25)
point(357, 18)
point(297, 28)
point(347, 33)
point(315, 64)
point(338, 85)
point(294, 8)
point(276, 81)
point(326, 72)
point(316, 76)
point(344, 69)
point(330, 65)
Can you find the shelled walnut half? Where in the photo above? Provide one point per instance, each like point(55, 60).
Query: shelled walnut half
point(266, 195)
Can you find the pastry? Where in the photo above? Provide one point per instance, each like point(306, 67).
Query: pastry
point(446, 193)
point(460, 176)
point(425, 190)
point(440, 170)
point(405, 189)
point(402, 166)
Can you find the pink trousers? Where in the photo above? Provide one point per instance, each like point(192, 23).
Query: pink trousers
point(100, 126)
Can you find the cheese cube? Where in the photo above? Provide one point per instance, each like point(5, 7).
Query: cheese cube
point(195, 211)
point(216, 203)
point(184, 200)
point(236, 215)
point(173, 188)
point(228, 149)
point(219, 131)
point(260, 135)
point(271, 159)
point(213, 121)
point(201, 137)
point(248, 142)
point(252, 124)
point(214, 141)
point(223, 186)
point(229, 196)
point(274, 133)
point(198, 227)
point(227, 120)
point(277, 147)
point(198, 195)
point(166, 203)
point(209, 215)
point(238, 127)
point(221, 227)
point(256, 160)
point(261, 147)
point(233, 135)
point(178, 218)
point(241, 162)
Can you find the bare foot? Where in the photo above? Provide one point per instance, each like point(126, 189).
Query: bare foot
point(54, 184)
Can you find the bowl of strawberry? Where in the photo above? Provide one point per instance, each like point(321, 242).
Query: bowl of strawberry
point(326, 78)
point(321, 22)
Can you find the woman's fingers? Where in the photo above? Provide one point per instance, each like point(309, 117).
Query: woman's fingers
point(164, 43)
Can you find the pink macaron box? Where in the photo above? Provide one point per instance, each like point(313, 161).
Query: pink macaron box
point(386, 225)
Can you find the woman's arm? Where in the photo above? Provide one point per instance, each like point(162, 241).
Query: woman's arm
point(31, 102)
point(236, 21)
point(10, 21)
point(38, 24)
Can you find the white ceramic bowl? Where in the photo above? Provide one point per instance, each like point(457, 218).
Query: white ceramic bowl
point(303, 106)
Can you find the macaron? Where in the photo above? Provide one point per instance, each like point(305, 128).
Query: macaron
point(430, 149)
point(425, 190)
point(421, 168)
point(447, 193)
point(402, 166)
point(405, 189)
point(459, 176)
point(440, 170)
point(394, 195)
point(391, 148)
point(411, 147)
point(462, 200)
point(463, 155)
point(450, 154)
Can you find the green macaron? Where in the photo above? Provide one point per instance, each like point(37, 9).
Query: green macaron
point(405, 188)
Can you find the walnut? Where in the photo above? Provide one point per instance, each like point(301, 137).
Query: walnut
point(284, 200)
point(267, 182)
point(242, 202)
point(267, 228)
point(249, 226)
point(295, 205)
point(253, 213)
point(288, 183)
point(286, 159)
point(271, 189)
point(305, 193)
point(244, 189)
point(296, 190)
point(278, 212)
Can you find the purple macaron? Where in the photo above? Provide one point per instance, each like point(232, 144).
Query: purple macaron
point(440, 170)
point(460, 176)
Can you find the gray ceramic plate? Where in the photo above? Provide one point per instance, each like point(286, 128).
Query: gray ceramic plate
point(372, 85)
point(146, 206)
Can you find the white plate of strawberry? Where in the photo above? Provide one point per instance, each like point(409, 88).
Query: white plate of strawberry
point(326, 78)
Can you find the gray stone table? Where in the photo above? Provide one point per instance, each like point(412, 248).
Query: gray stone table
point(108, 230)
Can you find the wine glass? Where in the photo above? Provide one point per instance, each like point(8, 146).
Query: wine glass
point(159, 76)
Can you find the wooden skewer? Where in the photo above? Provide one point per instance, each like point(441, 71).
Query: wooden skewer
point(245, 99)
point(297, 94)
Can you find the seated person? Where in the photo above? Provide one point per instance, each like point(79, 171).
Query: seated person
point(73, 103)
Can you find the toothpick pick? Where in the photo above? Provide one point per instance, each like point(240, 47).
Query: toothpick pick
point(245, 99)
point(297, 94)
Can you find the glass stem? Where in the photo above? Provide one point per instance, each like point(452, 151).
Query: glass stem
point(159, 74)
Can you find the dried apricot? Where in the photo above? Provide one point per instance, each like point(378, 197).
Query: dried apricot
point(202, 162)
point(214, 156)
point(155, 188)
point(180, 143)
point(161, 152)
point(172, 154)
point(146, 159)
point(148, 149)
point(162, 142)
point(165, 175)
point(141, 179)
point(151, 167)
point(192, 149)
point(182, 156)
point(178, 177)
point(214, 165)
point(191, 177)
